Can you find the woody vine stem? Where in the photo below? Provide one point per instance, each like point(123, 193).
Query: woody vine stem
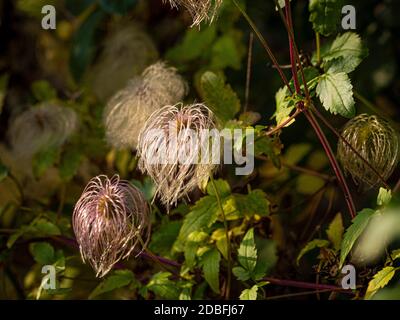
point(304, 105)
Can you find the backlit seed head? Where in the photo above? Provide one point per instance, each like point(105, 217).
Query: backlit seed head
point(110, 220)
point(376, 141)
point(41, 127)
point(200, 10)
point(126, 113)
point(170, 149)
point(127, 51)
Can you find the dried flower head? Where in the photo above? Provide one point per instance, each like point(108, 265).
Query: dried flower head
point(110, 220)
point(126, 53)
point(200, 10)
point(376, 141)
point(126, 113)
point(170, 150)
point(41, 127)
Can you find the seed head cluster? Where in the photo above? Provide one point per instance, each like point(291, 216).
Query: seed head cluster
point(174, 178)
point(126, 113)
point(200, 10)
point(376, 141)
point(41, 127)
point(126, 52)
point(110, 220)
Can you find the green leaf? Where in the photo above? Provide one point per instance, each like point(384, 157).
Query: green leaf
point(163, 239)
point(325, 15)
point(247, 253)
point(284, 106)
point(42, 252)
point(163, 287)
point(380, 280)
point(254, 203)
point(267, 258)
point(210, 262)
point(225, 53)
point(3, 172)
point(241, 273)
point(336, 94)
point(249, 294)
point(222, 186)
point(147, 187)
point(218, 96)
point(307, 184)
point(202, 216)
point(195, 239)
point(70, 162)
point(43, 91)
point(360, 222)
point(44, 160)
point(335, 231)
point(345, 53)
point(194, 44)
point(314, 244)
point(384, 197)
point(395, 255)
point(83, 44)
point(3, 89)
point(119, 279)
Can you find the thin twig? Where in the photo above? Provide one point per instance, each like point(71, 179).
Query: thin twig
point(285, 123)
point(248, 73)
point(228, 285)
point(264, 43)
point(335, 165)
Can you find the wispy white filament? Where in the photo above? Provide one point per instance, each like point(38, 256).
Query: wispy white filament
point(200, 10)
point(110, 220)
point(127, 112)
point(41, 127)
point(175, 178)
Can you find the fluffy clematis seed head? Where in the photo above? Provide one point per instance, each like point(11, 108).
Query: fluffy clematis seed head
point(171, 150)
point(376, 141)
point(200, 10)
point(126, 113)
point(110, 220)
point(41, 127)
point(127, 51)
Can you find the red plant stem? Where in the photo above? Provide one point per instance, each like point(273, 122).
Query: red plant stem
point(291, 47)
point(321, 136)
point(332, 159)
point(303, 285)
point(72, 243)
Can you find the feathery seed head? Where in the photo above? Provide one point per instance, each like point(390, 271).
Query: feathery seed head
point(126, 53)
point(171, 150)
point(200, 10)
point(110, 220)
point(41, 127)
point(126, 113)
point(376, 141)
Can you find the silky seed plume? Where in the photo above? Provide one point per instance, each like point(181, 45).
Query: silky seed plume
point(41, 127)
point(127, 51)
point(110, 220)
point(126, 113)
point(170, 147)
point(200, 10)
point(376, 141)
